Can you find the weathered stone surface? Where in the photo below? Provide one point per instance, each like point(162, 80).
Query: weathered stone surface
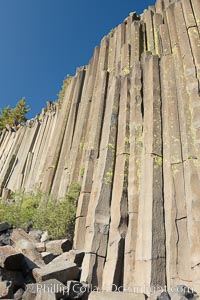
point(43, 292)
point(59, 246)
point(116, 296)
point(45, 296)
point(150, 250)
point(25, 244)
point(76, 290)
point(51, 286)
point(10, 259)
point(97, 229)
point(60, 270)
point(47, 257)
point(6, 290)
point(159, 296)
point(18, 294)
point(183, 291)
point(16, 277)
point(134, 174)
point(40, 247)
point(5, 239)
point(74, 256)
point(5, 226)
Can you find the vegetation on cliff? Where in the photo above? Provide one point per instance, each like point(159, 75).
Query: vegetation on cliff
point(14, 116)
point(42, 212)
point(61, 94)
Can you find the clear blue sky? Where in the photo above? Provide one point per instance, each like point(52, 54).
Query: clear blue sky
point(44, 40)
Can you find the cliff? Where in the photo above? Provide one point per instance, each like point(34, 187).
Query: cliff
point(128, 131)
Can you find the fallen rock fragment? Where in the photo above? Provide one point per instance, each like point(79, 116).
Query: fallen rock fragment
point(40, 247)
point(76, 289)
point(58, 246)
point(163, 296)
point(51, 286)
point(116, 296)
point(61, 270)
point(5, 226)
point(16, 277)
point(182, 292)
point(47, 257)
point(75, 256)
point(6, 290)
point(18, 294)
point(11, 259)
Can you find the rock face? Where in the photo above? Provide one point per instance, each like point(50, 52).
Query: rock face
point(128, 131)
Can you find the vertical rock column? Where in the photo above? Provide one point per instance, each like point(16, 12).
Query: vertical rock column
point(91, 143)
point(134, 173)
point(98, 217)
point(150, 246)
point(114, 265)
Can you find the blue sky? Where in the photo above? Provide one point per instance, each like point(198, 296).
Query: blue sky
point(44, 40)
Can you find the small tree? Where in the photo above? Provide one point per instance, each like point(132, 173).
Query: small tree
point(5, 117)
point(15, 116)
point(18, 114)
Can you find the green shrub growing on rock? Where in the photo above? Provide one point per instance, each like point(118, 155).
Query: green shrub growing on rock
point(43, 212)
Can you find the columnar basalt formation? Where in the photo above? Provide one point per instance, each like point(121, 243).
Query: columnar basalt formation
point(128, 131)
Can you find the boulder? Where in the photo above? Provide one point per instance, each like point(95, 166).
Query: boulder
point(30, 292)
point(6, 289)
point(45, 296)
point(115, 296)
point(11, 259)
point(181, 292)
point(163, 296)
point(76, 289)
point(49, 286)
point(16, 277)
point(47, 257)
point(61, 270)
point(35, 234)
point(26, 244)
point(5, 238)
point(18, 294)
point(59, 246)
point(5, 226)
point(158, 295)
point(75, 256)
point(19, 234)
point(40, 247)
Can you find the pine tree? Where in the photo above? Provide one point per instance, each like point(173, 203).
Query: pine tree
point(15, 116)
point(5, 117)
point(18, 114)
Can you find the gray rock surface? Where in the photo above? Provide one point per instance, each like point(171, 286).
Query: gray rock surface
point(61, 270)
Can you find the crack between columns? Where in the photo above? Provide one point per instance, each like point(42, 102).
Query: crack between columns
point(151, 259)
point(182, 218)
point(197, 265)
point(97, 255)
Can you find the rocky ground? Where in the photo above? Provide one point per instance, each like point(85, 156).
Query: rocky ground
point(31, 267)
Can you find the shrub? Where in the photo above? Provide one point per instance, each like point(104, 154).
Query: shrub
point(61, 94)
point(43, 212)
